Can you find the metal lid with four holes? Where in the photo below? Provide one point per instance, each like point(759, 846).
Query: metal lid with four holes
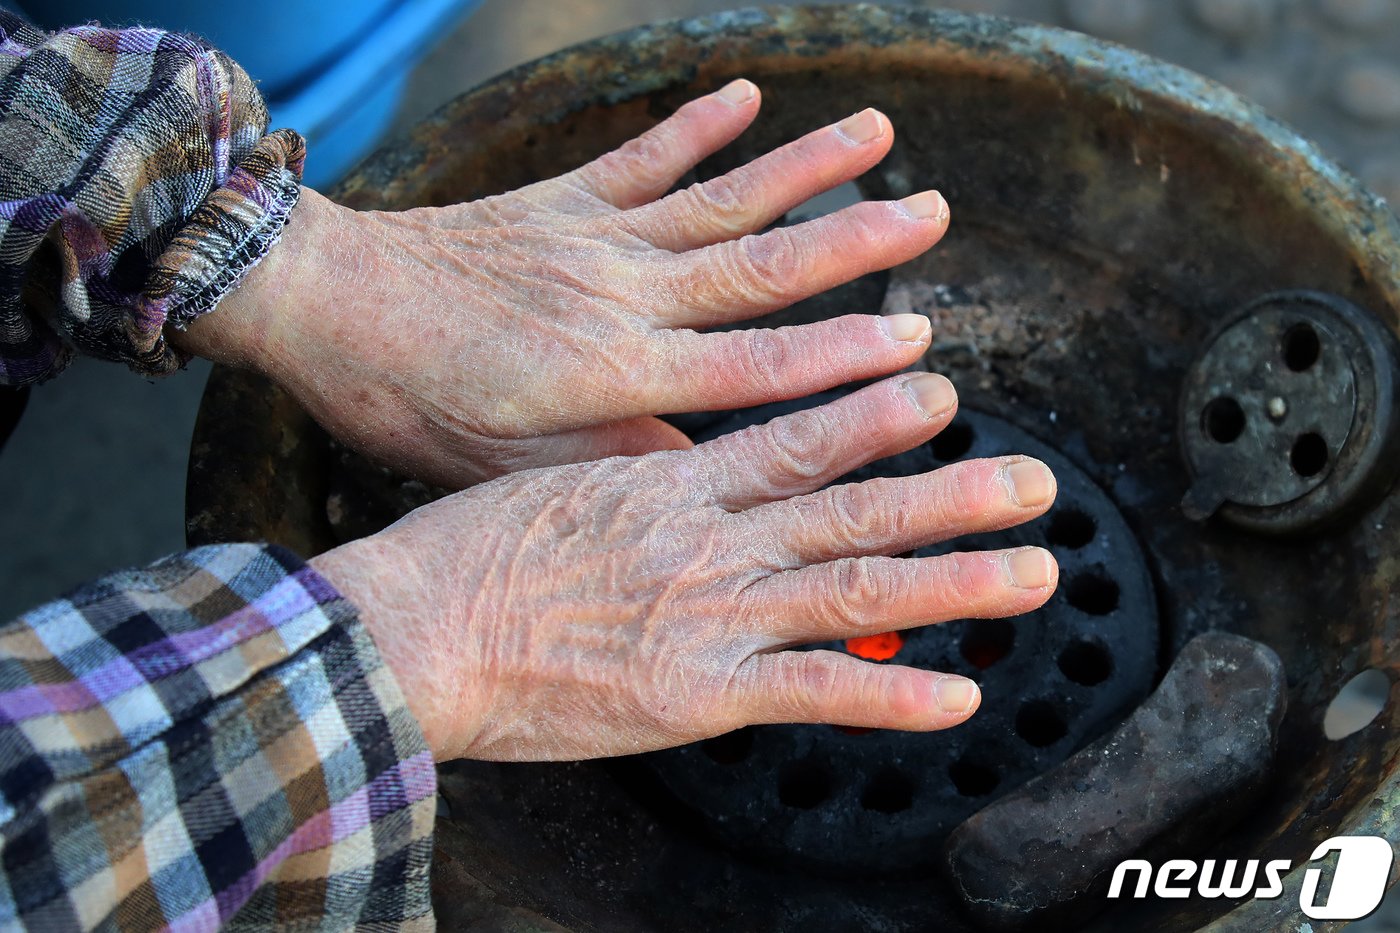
point(1287, 418)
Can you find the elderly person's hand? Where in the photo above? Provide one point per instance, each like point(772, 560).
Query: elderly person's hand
point(640, 602)
point(548, 325)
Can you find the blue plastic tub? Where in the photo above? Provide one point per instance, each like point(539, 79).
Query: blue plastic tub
point(332, 71)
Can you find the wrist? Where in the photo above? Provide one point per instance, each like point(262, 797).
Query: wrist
point(253, 325)
point(374, 579)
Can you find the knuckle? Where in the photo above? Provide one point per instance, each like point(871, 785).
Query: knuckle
point(813, 674)
point(903, 700)
point(810, 676)
point(858, 586)
point(726, 202)
point(967, 580)
point(963, 492)
point(643, 155)
point(867, 224)
point(766, 358)
point(858, 514)
point(794, 453)
point(651, 149)
point(678, 471)
point(768, 263)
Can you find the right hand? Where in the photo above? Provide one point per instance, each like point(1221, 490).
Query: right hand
point(636, 603)
point(550, 324)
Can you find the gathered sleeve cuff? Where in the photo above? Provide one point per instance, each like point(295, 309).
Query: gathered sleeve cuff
point(140, 186)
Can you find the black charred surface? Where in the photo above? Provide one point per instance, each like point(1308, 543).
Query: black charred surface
point(1181, 768)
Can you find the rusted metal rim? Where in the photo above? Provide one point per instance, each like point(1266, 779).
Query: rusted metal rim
point(702, 53)
point(258, 463)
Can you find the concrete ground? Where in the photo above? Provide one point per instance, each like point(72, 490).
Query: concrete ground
point(95, 472)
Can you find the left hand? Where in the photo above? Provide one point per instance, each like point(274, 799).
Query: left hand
point(636, 603)
point(549, 325)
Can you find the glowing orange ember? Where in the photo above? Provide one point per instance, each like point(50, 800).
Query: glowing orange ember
point(876, 647)
point(872, 648)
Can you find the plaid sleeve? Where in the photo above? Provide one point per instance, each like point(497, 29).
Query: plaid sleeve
point(212, 740)
point(138, 185)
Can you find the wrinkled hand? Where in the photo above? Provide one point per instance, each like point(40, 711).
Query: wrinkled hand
point(549, 324)
point(637, 603)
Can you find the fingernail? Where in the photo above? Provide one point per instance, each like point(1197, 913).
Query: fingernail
point(931, 393)
point(861, 127)
point(1030, 482)
point(912, 327)
point(925, 204)
point(1030, 568)
point(955, 694)
point(738, 92)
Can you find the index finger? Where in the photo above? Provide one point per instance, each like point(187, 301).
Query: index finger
point(799, 453)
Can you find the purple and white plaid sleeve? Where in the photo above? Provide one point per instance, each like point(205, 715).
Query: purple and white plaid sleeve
point(210, 741)
point(138, 185)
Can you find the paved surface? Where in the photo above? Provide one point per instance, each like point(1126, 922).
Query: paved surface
point(94, 478)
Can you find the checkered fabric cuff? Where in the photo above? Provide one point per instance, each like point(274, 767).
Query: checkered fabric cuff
point(212, 740)
point(140, 185)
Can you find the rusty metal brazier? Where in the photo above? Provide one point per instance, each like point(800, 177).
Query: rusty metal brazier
point(1109, 212)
